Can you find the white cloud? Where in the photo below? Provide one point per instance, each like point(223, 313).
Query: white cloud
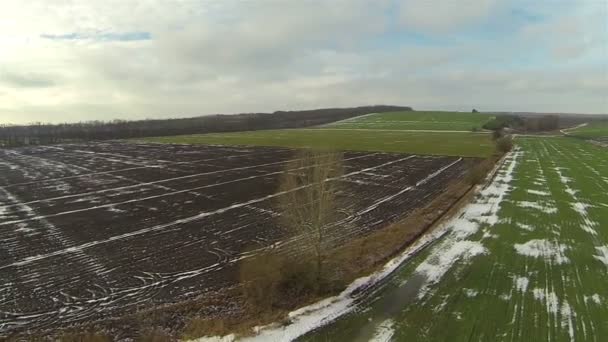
point(440, 16)
point(235, 56)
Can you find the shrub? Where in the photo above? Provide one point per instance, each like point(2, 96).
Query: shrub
point(83, 337)
point(260, 277)
point(478, 173)
point(272, 279)
point(504, 144)
point(497, 134)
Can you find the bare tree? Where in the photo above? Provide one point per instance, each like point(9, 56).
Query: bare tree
point(309, 207)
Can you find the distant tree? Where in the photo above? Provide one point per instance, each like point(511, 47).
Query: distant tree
point(474, 111)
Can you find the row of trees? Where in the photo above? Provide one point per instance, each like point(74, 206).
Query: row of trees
point(39, 133)
point(524, 123)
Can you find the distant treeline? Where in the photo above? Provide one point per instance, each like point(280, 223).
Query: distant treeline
point(43, 134)
point(526, 123)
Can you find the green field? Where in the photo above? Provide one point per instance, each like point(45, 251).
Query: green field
point(527, 260)
point(591, 130)
point(414, 120)
point(448, 143)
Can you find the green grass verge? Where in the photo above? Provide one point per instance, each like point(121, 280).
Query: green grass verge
point(451, 144)
point(414, 120)
point(592, 130)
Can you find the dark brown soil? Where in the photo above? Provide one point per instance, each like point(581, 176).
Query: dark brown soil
point(103, 230)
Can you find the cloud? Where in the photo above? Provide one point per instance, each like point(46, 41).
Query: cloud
point(441, 16)
point(26, 80)
point(99, 36)
point(116, 59)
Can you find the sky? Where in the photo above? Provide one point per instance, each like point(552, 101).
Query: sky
point(78, 60)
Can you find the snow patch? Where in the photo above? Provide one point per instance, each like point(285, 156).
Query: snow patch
point(571, 191)
point(537, 206)
point(436, 266)
point(603, 254)
point(580, 208)
point(540, 248)
point(549, 298)
point(227, 338)
point(471, 293)
point(539, 193)
point(521, 284)
point(568, 319)
point(525, 226)
point(595, 298)
point(505, 296)
point(384, 332)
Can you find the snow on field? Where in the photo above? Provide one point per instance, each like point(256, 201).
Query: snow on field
point(602, 254)
point(521, 284)
point(227, 338)
point(436, 266)
point(540, 248)
point(549, 298)
point(384, 332)
point(537, 206)
point(567, 315)
point(539, 192)
point(471, 293)
point(525, 226)
point(483, 211)
point(595, 298)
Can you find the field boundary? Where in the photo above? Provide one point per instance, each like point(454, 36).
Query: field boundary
point(396, 130)
point(367, 264)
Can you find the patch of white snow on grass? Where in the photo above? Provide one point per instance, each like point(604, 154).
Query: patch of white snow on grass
point(595, 298)
point(437, 265)
point(603, 254)
point(521, 284)
point(551, 251)
point(505, 296)
point(568, 315)
point(384, 332)
point(549, 298)
point(571, 191)
point(525, 226)
point(537, 206)
point(471, 293)
point(227, 338)
point(539, 193)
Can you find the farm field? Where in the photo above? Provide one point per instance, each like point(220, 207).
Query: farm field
point(100, 230)
point(415, 120)
point(591, 130)
point(446, 143)
point(527, 260)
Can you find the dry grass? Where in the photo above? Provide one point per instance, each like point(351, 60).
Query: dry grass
point(348, 262)
point(84, 337)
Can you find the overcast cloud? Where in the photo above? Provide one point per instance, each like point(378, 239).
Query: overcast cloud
point(67, 60)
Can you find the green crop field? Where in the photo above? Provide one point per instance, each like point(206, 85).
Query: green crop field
point(527, 260)
point(414, 120)
point(447, 143)
point(592, 130)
